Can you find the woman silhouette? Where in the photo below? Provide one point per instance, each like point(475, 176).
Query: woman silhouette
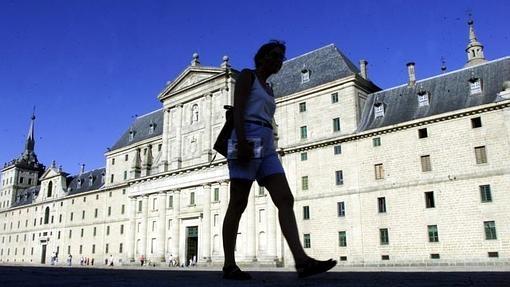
point(254, 108)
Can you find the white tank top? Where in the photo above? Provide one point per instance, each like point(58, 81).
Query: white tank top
point(260, 105)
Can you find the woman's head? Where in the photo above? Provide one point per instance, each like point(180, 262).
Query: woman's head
point(271, 53)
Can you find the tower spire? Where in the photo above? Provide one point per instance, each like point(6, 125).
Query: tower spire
point(474, 48)
point(30, 142)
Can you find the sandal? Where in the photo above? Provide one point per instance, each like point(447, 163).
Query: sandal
point(234, 273)
point(313, 267)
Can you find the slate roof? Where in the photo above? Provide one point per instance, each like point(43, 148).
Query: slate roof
point(325, 64)
point(73, 186)
point(141, 127)
point(448, 92)
point(26, 196)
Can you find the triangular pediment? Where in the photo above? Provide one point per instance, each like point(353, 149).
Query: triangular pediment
point(50, 172)
point(191, 76)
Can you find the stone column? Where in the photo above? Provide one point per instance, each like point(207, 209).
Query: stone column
point(162, 225)
point(176, 162)
point(145, 207)
point(208, 117)
point(271, 228)
point(251, 228)
point(224, 191)
point(176, 224)
point(206, 224)
point(163, 164)
point(131, 236)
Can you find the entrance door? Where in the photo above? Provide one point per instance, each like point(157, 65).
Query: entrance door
point(43, 254)
point(191, 243)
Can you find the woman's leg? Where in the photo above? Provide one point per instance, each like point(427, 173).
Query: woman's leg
point(279, 190)
point(239, 192)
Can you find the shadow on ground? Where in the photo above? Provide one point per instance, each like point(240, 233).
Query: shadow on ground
point(11, 276)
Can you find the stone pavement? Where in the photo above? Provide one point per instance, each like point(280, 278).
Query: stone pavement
point(23, 275)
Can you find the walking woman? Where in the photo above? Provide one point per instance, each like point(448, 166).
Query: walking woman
point(254, 108)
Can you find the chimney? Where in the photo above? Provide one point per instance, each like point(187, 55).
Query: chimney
point(363, 69)
point(82, 168)
point(412, 74)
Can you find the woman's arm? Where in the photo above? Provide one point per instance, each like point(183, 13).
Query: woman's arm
point(241, 94)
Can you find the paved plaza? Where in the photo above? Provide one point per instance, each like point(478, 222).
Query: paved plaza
point(19, 275)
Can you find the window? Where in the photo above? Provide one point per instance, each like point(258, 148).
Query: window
point(108, 230)
point(379, 171)
point(385, 257)
point(425, 163)
point(429, 199)
point(192, 198)
point(476, 122)
point(381, 204)
point(170, 201)
point(490, 230)
point(125, 174)
point(481, 155)
point(485, 192)
point(126, 157)
point(305, 76)
point(341, 208)
point(93, 248)
point(342, 238)
point(111, 178)
point(122, 229)
point(376, 141)
point(422, 133)
point(95, 213)
point(159, 147)
point(261, 191)
point(304, 132)
point(106, 248)
point(153, 226)
point(378, 110)
point(493, 254)
point(109, 210)
point(435, 256)
point(302, 107)
point(383, 236)
point(306, 212)
point(120, 248)
point(475, 86)
point(307, 241)
point(83, 214)
point(71, 217)
point(94, 231)
point(70, 233)
point(304, 156)
point(304, 182)
point(154, 203)
point(433, 234)
point(169, 224)
point(122, 209)
point(215, 219)
point(339, 177)
point(336, 124)
point(81, 232)
point(139, 206)
point(113, 161)
point(216, 195)
point(337, 149)
point(334, 98)
point(423, 99)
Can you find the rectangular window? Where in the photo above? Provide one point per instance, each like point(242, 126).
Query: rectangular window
point(81, 249)
point(306, 212)
point(83, 214)
point(192, 198)
point(493, 254)
point(153, 226)
point(433, 234)
point(111, 178)
point(435, 256)
point(422, 133)
point(122, 209)
point(122, 229)
point(385, 257)
point(337, 149)
point(113, 161)
point(342, 238)
point(381, 204)
point(341, 208)
point(304, 156)
point(171, 201)
point(304, 182)
point(383, 236)
point(262, 192)
point(169, 224)
point(476, 122)
point(376, 141)
point(95, 213)
point(125, 174)
point(304, 132)
point(481, 155)
point(107, 230)
point(485, 192)
point(93, 248)
point(68, 249)
point(109, 210)
point(106, 248)
point(425, 163)
point(120, 248)
point(490, 230)
point(126, 157)
point(334, 98)
point(154, 203)
point(70, 233)
point(429, 199)
point(379, 171)
point(139, 206)
point(215, 219)
point(216, 194)
point(339, 177)
point(475, 87)
point(94, 231)
point(81, 233)
point(302, 107)
point(307, 241)
point(336, 124)
point(71, 216)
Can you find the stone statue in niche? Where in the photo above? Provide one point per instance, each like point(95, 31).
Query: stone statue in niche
point(194, 114)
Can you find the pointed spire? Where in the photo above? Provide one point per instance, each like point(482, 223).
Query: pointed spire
point(30, 142)
point(474, 49)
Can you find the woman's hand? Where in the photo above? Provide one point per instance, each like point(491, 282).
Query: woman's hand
point(244, 151)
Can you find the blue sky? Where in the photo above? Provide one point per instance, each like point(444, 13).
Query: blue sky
point(90, 66)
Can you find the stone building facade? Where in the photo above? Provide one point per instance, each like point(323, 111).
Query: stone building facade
point(415, 174)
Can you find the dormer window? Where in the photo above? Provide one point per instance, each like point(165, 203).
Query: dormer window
point(305, 76)
point(91, 180)
point(475, 86)
point(152, 127)
point(131, 135)
point(378, 110)
point(423, 98)
point(102, 177)
point(79, 183)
